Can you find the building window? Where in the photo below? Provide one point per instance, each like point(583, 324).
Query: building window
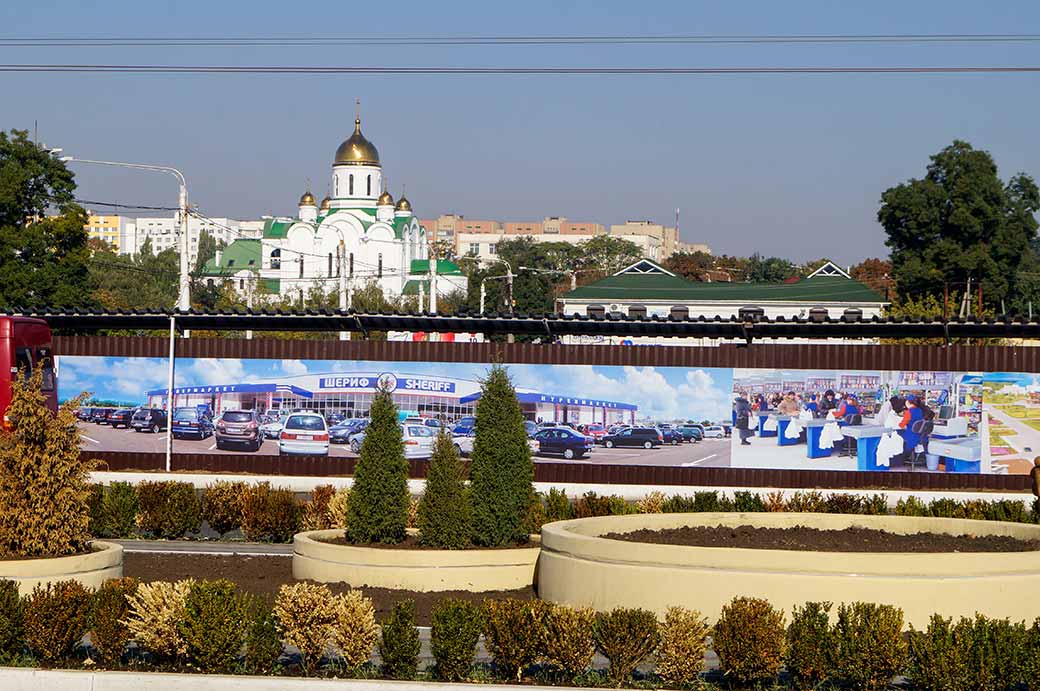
point(276, 258)
point(350, 269)
point(680, 312)
point(335, 185)
point(301, 265)
point(596, 310)
point(241, 284)
point(230, 263)
point(379, 266)
point(492, 248)
point(368, 186)
point(350, 185)
point(637, 311)
point(474, 248)
point(330, 264)
point(252, 262)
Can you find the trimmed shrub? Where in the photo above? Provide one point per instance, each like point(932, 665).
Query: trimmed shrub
point(307, 618)
point(263, 645)
point(355, 630)
point(399, 642)
point(512, 633)
point(120, 510)
point(678, 503)
point(413, 512)
point(748, 502)
point(222, 505)
point(868, 645)
point(339, 508)
point(156, 611)
point(501, 471)
point(96, 510)
point(44, 494)
point(807, 502)
point(1032, 669)
point(936, 657)
point(214, 625)
point(557, 506)
point(775, 502)
point(445, 520)
point(454, 632)
point(316, 515)
point(591, 504)
point(809, 645)
point(626, 637)
point(56, 617)
point(995, 650)
point(168, 509)
point(974, 509)
point(535, 518)
point(708, 501)
point(680, 655)
point(651, 503)
point(945, 507)
point(875, 505)
point(839, 502)
point(270, 515)
point(378, 506)
point(750, 640)
point(567, 641)
point(1011, 510)
point(109, 634)
point(12, 618)
point(911, 506)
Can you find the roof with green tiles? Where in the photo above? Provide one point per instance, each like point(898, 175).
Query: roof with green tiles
point(444, 267)
point(277, 228)
point(647, 280)
point(412, 287)
point(240, 254)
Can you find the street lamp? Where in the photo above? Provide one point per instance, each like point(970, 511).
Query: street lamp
point(184, 295)
point(508, 275)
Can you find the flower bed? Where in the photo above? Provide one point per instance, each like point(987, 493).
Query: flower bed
point(104, 561)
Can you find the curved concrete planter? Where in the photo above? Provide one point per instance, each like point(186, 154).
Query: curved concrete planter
point(578, 567)
point(104, 562)
point(476, 570)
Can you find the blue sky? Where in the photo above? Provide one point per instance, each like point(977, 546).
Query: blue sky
point(788, 165)
point(661, 392)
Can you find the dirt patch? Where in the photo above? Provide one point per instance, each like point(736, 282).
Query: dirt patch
point(815, 540)
point(411, 542)
point(263, 576)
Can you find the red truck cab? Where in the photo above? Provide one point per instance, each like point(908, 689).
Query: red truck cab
point(25, 344)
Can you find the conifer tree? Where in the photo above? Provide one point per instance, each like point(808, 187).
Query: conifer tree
point(378, 506)
point(445, 519)
point(501, 473)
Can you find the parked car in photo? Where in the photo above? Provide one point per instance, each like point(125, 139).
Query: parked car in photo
point(100, 416)
point(272, 427)
point(432, 422)
point(647, 437)
point(465, 425)
point(304, 434)
point(120, 418)
point(714, 432)
point(463, 443)
point(83, 414)
point(148, 420)
point(593, 429)
point(563, 441)
point(669, 434)
point(191, 422)
point(614, 429)
point(691, 432)
point(343, 431)
point(531, 427)
point(418, 440)
point(240, 427)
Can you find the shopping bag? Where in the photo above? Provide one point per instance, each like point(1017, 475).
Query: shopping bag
point(794, 429)
point(805, 415)
point(892, 420)
point(769, 425)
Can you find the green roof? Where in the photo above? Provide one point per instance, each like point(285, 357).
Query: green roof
point(659, 286)
point(235, 257)
point(275, 229)
point(422, 266)
point(272, 285)
point(412, 288)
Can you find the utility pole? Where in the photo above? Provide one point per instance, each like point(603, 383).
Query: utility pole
point(433, 286)
point(249, 301)
point(422, 294)
point(341, 253)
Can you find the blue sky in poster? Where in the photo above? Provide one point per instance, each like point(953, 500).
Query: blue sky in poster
point(660, 392)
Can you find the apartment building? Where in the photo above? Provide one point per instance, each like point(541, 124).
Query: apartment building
point(107, 227)
point(447, 227)
point(164, 233)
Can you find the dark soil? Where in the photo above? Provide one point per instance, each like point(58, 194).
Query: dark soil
point(412, 542)
point(814, 540)
point(265, 575)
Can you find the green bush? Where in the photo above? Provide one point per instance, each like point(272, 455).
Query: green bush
point(869, 648)
point(875, 505)
point(944, 507)
point(937, 657)
point(214, 625)
point(679, 503)
point(454, 632)
point(120, 510)
point(557, 506)
point(807, 502)
point(680, 655)
point(12, 619)
point(1032, 668)
point(96, 510)
point(1011, 510)
point(222, 505)
point(974, 509)
point(838, 502)
point(512, 634)
point(399, 642)
point(567, 643)
point(750, 640)
point(109, 634)
point(626, 637)
point(56, 617)
point(263, 644)
point(168, 509)
point(748, 502)
point(911, 506)
point(501, 471)
point(809, 645)
point(379, 500)
point(708, 502)
point(445, 519)
point(270, 514)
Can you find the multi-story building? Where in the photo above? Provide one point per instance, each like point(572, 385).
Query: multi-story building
point(107, 228)
point(164, 233)
point(446, 227)
point(668, 236)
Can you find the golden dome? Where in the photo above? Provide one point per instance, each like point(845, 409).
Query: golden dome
point(307, 199)
point(357, 151)
point(403, 204)
point(326, 203)
point(385, 199)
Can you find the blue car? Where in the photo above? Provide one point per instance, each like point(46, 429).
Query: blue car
point(191, 422)
point(341, 433)
point(563, 441)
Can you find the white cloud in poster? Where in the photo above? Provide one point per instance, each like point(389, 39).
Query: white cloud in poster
point(697, 397)
point(211, 371)
point(127, 378)
point(294, 368)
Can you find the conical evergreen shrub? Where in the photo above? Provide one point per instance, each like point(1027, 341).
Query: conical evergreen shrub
point(445, 520)
point(378, 506)
point(501, 472)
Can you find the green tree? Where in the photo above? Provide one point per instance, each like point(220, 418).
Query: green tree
point(690, 265)
point(501, 470)
point(761, 269)
point(144, 280)
point(609, 253)
point(378, 506)
point(960, 222)
point(32, 180)
point(444, 513)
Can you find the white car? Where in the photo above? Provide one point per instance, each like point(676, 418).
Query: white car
point(714, 433)
point(271, 430)
point(304, 434)
point(463, 443)
point(418, 440)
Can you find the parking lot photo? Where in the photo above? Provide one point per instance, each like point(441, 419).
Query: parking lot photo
point(886, 421)
point(609, 415)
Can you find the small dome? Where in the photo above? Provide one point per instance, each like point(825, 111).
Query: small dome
point(357, 151)
point(403, 204)
point(326, 203)
point(385, 200)
point(307, 199)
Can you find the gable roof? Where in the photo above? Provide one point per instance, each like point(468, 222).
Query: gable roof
point(444, 267)
point(829, 268)
point(236, 257)
point(644, 266)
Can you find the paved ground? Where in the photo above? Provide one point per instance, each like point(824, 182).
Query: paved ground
point(710, 452)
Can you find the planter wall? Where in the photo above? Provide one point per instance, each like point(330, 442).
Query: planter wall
point(104, 562)
point(476, 570)
point(578, 567)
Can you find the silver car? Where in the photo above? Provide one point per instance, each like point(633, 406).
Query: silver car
point(304, 434)
point(418, 440)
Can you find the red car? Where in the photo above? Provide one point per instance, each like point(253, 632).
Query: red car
point(594, 430)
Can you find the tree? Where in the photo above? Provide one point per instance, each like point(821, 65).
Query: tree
point(32, 180)
point(768, 269)
point(145, 280)
point(874, 273)
point(444, 513)
point(690, 265)
point(378, 506)
point(501, 470)
point(609, 253)
point(960, 222)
